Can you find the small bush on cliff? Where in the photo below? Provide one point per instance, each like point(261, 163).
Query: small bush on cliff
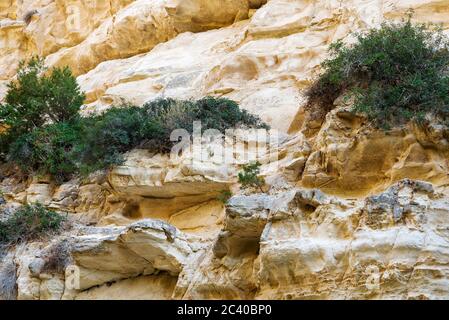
point(395, 74)
point(48, 150)
point(249, 177)
point(105, 138)
point(37, 97)
point(41, 130)
point(224, 196)
point(29, 222)
point(214, 113)
point(222, 114)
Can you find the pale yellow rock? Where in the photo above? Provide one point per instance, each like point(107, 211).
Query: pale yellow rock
point(314, 246)
point(13, 47)
point(375, 252)
point(349, 158)
point(143, 248)
point(8, 9)
point(205, 218)
point(148, 175)
point(91, 200)
point(368, 237)
point(158, 287)
point(142, 25)
point(70, 22)
point(28, 287)
point(52, 288)
point(39, 193)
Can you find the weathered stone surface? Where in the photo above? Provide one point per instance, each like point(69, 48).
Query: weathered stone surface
point(52, 288)
point(113, 253)
point(362, 250)
point(139, 27)
point(83, 34)
point(314, 246)
point(148, 175)
point(349, 158)
point(28, 286)
point(364, 230)
point(158, 287)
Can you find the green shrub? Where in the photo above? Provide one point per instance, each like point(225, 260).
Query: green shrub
point(224, 196)
point(36, 98)
point(394, 74)
point(45, 134)
point(105, 138)
point(48, 150)
point(249, 177)
point(29, 222)
point(170, 115)
point(214, 113)
point(222, 114)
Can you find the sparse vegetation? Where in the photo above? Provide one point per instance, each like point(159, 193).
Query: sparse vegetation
point(395, 74)
point(47, 150)
point(44, 133)
point(57, 257)
point(35, 99)
point(224, 196)
point(29, 222)
point(249, 177)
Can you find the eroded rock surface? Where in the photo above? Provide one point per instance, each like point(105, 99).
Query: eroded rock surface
point(349, 212)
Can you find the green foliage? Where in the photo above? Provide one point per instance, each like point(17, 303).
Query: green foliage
point(72, 145)
point(249, 177)
point(224, 196)
point(394, 74)
point(48, 150)
point(223, 114)
point(214, 113)
point(105, 138)
point(62, 95)
point(42, 131)
point(36, 98)
point(29, 222)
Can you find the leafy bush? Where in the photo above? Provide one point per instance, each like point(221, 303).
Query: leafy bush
point(43, 132)
point(105, 138)
point(249, 177)
point(48, 150)
point(214, 113)
point(29, 222)
point(222, 114)
point(36, 98)
point(224, 196)
point(394, 74)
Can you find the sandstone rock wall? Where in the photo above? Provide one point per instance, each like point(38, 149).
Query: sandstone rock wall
point(350, 212)
point(263, 62)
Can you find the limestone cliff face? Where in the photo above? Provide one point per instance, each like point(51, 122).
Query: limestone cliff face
point(349, 212)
